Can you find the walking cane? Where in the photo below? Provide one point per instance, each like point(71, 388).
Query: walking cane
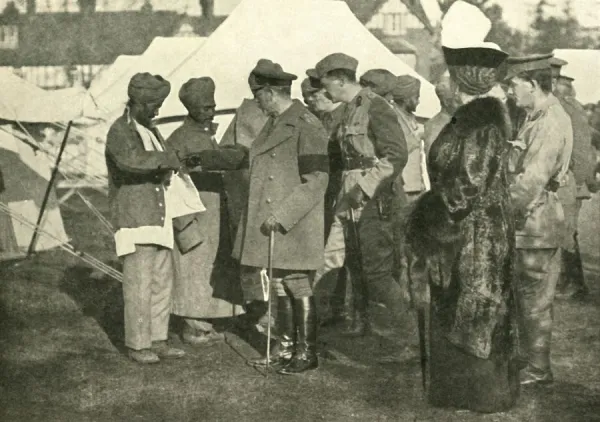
point(270, 277)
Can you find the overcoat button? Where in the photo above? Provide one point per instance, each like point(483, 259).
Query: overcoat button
point(157, 189)
point(271, 178)
point(268, 200)
point(273, 155)
point(159, 204)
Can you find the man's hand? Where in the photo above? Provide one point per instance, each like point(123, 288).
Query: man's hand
point(270, 225)
point(356, 197)
point(192, 161)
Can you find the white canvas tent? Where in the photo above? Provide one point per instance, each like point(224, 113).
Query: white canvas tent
point(583, 66)
point(163, 56)
point(25, 177)
point(296, 34)
point(25, 102)
point(110, 74)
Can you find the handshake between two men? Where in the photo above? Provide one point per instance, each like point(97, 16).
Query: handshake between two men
point(227, 158)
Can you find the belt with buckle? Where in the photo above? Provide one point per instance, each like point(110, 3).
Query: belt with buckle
point(355, 163)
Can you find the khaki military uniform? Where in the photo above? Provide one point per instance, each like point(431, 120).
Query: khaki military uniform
point(539, 164)
point(373, 153)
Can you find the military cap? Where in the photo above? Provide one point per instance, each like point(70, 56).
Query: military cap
point(566, 78)
point(406, 86)
point(381, 81)
point(147, 88)
point(556, 64)
point(517, 65)
point(335, 61)
point(310, 86)
point(198, 92)
point(268, 73)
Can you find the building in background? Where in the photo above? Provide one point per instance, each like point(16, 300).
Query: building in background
point(65, 49)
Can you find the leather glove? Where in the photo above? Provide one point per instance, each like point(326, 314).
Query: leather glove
point(356, 197)
point(271, 225)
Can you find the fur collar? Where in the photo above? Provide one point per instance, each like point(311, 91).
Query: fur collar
point(482, 112)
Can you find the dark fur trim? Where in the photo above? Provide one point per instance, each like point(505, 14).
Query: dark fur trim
point(479, 113)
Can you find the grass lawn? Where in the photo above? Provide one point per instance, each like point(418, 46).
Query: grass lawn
point(61, 344)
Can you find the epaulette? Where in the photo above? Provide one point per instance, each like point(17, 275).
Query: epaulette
point(310, 118)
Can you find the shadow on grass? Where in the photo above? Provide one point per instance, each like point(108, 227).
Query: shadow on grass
point(100, 299)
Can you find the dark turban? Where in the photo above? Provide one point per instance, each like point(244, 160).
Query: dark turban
point(198, 92)
point(381, 81)
point(406, 87)
point(474, 80)
point(146, 88)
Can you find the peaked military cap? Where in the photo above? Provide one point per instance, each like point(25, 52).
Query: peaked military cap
point(335, 61)
point(310, 85)
point(556, 65)
point(268, 73)
point(566, 78)
point(517, 65)
point(381, 81)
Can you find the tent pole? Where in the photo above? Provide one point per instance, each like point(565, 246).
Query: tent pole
point(49, 190)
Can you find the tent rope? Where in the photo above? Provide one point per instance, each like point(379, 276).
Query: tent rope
point(89, 259)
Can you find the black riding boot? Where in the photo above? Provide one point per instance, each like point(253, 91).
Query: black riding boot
point(305, 354)
point(284, 348)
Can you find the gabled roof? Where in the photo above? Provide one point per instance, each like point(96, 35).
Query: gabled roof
point(364, 10)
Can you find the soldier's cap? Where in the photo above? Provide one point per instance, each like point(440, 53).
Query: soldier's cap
point(381, 81)
point(335, 61)
point(267, 73)
point(521, 64)
point(198, 92)
point(565, 78)
point(556, 64)
point(310, 86)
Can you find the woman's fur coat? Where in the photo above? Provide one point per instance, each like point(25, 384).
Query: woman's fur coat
point(460, 235)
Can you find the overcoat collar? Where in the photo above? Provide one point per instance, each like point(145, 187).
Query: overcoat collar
point(283, 127)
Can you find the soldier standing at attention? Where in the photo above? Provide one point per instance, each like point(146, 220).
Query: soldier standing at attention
point(538, 165)
point(330, 114)
point(581, 169)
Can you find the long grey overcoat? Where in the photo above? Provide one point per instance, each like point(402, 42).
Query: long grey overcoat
point(288, 178)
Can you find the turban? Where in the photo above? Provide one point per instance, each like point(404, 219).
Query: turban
point(198, 92)
point(268, 73)
point(381, 81)
point(406, 87)
point(146, 88)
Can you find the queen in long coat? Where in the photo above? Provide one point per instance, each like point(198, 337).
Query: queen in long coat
point(206, 285)
point(461, 245)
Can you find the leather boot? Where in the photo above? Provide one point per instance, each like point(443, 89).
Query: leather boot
point(573, 281)
point(305, 354)
point(338, 302)
point(284, 348)
point(539, 336)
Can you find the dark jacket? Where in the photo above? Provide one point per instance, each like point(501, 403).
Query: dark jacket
point(460, 235)
point(136, 177)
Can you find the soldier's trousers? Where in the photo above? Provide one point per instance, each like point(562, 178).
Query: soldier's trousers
point(147, 282)
point(293, 283)
point(538, 271)
point(381, 250)
point(341, 250)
